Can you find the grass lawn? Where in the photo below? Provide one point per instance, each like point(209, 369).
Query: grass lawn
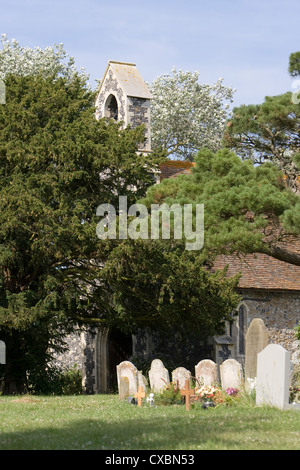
point(104, 422)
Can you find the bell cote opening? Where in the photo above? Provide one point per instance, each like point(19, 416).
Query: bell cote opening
point(111, 108)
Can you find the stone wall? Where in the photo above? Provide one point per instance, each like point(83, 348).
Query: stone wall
point(89, 357)
point(280, 312)
point(80, 352)
point(111, 86)
point(73, 354)
point(139, 113)
point(174, 349)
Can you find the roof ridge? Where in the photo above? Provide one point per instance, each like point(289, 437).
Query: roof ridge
point(121, 63)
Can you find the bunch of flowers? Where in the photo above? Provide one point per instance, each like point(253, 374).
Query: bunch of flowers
point(294, 394)
point(209, 393)
point(232, 391)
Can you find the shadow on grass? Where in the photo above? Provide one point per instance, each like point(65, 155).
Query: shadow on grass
point(202, 430)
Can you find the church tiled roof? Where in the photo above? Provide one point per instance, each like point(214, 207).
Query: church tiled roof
point(173, 168)
point(260, 271)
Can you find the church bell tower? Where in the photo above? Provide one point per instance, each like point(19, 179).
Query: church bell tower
point(124, 96)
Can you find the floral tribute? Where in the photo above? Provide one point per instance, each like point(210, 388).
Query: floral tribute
point(215, 395)
point(232, 391)
point(208, 393)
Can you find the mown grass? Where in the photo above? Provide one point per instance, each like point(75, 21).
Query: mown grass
point(105, 422)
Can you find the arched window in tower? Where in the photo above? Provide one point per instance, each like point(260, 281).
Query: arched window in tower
point(111, 108)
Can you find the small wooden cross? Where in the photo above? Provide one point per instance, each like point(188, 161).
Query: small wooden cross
point(139, 395)
point(187, 392)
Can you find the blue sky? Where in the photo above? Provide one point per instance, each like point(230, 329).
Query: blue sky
point(247, 42)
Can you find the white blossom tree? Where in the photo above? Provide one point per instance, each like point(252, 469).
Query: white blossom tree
point(52, 61)
point(186, 115)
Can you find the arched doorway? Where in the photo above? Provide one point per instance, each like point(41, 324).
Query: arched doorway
point(119, 349)
point(112, 347)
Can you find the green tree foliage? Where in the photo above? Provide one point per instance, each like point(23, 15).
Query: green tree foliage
point(298, 332)
point(294, 64)
point(57, 164)
point(268, 132)
point(157, 284)
point(247, 208)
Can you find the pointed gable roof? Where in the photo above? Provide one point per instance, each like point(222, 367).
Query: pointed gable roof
point(129, 79)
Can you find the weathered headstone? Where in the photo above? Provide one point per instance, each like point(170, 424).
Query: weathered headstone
point(231, 373)
point(256, 341)
point(2, 353)
point(124, 388)
point(206, 372)
point(142, 381)
point(127, 369)
point(272, 381)
point(180, 375)
point(158, 375)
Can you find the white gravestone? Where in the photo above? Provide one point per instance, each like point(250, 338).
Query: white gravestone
point(2, 353)
point(272, 382)
point(231, 373)
point(158, 376)
point(180, 375)
point(206, 372)
point(127, 369)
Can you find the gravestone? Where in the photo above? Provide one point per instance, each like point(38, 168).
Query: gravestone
point(124, 388)
point(158, 376)
point(231, 373)
point(256, 341)
point(142, 381)
point(180, 375)
point(272, 381)
point(127, 369)
point(2, 353)
point(206, 372)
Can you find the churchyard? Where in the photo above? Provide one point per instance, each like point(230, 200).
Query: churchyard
point(106, 423)
point(61, 168)
point(268, 372)
point(211, 409)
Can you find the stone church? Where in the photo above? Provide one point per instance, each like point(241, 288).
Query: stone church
point(270, 289)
